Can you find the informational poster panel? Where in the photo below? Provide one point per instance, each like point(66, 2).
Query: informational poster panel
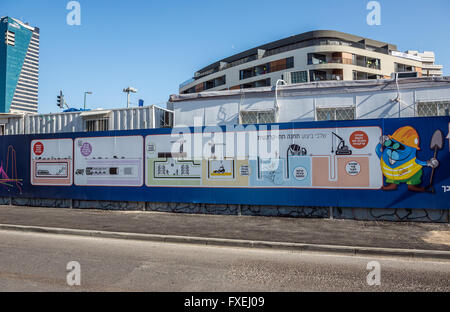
point(328, 158)
point(109, 161)
point(52, 162)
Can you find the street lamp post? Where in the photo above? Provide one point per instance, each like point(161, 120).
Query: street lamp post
point(128, 91)
point(85, 93)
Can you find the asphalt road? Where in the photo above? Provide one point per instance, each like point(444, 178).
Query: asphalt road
point(37, 262)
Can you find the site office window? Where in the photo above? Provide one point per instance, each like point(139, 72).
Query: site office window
point(257, 117)
point(335, 113)
point(97, 124)
point(166, 120)
point(433, 108)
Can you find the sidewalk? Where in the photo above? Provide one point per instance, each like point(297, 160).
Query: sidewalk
point(420, 236)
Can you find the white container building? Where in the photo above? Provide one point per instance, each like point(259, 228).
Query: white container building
point(146, 117)
point(331, 100)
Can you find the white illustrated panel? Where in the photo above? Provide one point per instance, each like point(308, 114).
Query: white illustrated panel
point(109, 161)
point(51, 162)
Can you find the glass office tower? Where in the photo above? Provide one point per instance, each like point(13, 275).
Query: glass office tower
point(19, 66)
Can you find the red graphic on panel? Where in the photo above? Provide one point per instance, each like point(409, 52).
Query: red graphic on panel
point(359, 139)
point(38, 148)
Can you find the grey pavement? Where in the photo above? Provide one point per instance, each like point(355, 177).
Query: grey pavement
point(422, 236)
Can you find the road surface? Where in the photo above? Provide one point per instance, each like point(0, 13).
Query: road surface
point(37, 262)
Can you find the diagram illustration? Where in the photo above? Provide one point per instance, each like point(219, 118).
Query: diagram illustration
point(109, 161)
point(305, 158)
point(221, 169)
point(8, 175)
point(167, 164)
point(51, 162)
point(322, 158)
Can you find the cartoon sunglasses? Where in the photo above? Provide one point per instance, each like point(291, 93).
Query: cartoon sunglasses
point(394, 145)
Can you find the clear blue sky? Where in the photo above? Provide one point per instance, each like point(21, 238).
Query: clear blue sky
point(156, 45)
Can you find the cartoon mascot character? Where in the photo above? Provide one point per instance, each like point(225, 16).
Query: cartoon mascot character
point(399, 163)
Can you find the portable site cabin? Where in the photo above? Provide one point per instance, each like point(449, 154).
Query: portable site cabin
point(147, 117)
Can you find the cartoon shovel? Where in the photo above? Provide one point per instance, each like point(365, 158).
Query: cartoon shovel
point(437, 143)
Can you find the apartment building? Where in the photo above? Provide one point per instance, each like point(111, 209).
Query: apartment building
point(429, 66)
point(308, 57)
point(19, 67)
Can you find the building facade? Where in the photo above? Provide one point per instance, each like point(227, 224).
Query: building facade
point(19, 67)
point(308, 57)
point(429, 66)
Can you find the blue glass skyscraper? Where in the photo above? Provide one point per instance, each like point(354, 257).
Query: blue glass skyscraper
point(19, 66)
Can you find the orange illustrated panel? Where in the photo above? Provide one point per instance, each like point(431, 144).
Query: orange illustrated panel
point(341, 171)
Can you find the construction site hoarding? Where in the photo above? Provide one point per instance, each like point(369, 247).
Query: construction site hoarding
point(378, 163)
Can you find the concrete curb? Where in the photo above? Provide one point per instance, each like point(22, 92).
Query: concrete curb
point(299, 247)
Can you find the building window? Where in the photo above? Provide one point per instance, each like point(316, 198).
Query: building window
point(257, 117)
point(267, 68)
point(290, 62)
point(214, 83)
point(335, 113)
point(101, 124)
point(373, 63)
point(316, 59)
point(299, 77)
point(357, 75)
point(190, 90)
point(2, 129)
point(434, 108)
point(246, 73)
point(166, 120)
point(256, 84)
point(317, 75)
point(401, 68)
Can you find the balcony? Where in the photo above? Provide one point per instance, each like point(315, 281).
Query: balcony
point(184, 84)
point(432, 66)
point(294, 46)
point(320, 42)
point(324, 75)
point(343, 58)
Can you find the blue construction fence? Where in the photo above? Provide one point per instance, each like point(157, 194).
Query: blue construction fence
point(376, 164)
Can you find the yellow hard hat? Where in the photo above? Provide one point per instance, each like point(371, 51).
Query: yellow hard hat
point(407, 136)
